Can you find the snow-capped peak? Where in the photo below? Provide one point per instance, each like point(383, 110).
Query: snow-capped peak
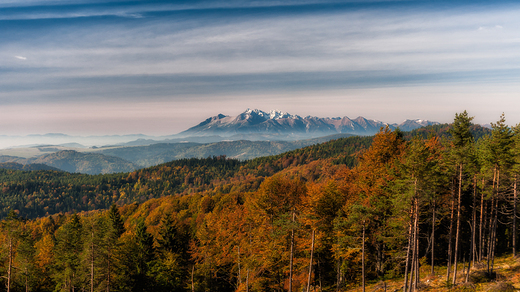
point(276, 114)
point(272, 115)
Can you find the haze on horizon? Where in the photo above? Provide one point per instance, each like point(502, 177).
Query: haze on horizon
point(97, 67)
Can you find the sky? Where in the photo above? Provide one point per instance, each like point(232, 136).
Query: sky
point(99, 67)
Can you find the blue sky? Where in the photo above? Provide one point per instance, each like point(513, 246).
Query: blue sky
point(159, 67)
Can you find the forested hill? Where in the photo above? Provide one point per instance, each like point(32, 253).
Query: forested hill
point(26, 167)
point(442, 130)
point(39, 193)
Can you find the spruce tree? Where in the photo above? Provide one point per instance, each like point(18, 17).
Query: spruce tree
point(462, 154)
point(67, 250)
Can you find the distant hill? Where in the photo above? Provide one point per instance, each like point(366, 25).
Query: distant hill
point(128, 158)
point(9, 158)
point(145, 156)
point(88, 163)
point(26, 167)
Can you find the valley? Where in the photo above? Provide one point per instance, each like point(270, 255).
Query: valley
point(251, 134)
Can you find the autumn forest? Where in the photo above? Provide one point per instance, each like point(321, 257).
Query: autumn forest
point(328, 217)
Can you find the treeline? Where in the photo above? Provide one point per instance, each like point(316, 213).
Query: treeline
point(316, 225)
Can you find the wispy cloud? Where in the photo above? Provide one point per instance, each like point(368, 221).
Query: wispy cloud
point(164, 53)
point(419, 42)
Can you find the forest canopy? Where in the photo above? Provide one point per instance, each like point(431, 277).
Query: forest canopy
point(325, 217)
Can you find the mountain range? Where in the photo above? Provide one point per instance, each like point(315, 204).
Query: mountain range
point(251, 134)
point(258, 124)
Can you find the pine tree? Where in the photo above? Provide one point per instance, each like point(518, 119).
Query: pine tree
point(462, 153)
point(67, 250)
point(516, 172)
point(144, 254)
point(500, 159)
point(421, 169)
point(168, 271)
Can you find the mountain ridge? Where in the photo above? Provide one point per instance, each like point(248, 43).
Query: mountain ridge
point(277, 122)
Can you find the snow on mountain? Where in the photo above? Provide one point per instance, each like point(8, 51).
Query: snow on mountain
point(409, 125)
point(282, 124)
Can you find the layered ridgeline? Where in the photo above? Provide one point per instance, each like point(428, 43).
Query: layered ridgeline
point(313, 219)
point(251, 134)
point(115, 159)
point(40, 193)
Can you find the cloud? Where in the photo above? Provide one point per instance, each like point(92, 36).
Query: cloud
point(491, 28)
point(218, 56)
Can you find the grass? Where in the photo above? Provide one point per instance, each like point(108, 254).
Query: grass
point(507, 278)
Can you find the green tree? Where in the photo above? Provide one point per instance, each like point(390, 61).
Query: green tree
point(111, 249)
point(144, 256)
point(67, 250)
point(420, 183)
point(172, 245)
point(500, 159)
point(515, 171)
point(462, 153)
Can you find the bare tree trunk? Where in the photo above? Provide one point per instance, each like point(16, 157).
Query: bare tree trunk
point(192, 283)
point(458, 227)
point(469, 270)
point(291, 255)
point(247, 281)
point(473, 229)
point(492, 222)
point(463, 264)
point(415, 268)
point(410, 237)
point(433, 238)
point(92, 260)
point(494, 237)
point(417, 274)
point(514, 218)
point(490, 233)
point(310, 263)
point(9, 269)
point(448, 272)
point(495, 222)
point(481, 235)
point(362, 257)
point(109, 256)
point(412, 269)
